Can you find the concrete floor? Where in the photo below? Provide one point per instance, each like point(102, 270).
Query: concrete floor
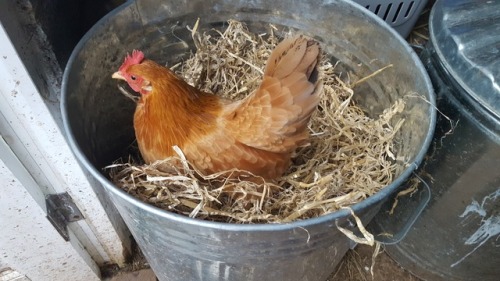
point(141, 275)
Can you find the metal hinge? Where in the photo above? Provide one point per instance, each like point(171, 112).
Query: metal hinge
point(61, 210)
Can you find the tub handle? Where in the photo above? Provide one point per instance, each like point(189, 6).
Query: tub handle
point(389, 228)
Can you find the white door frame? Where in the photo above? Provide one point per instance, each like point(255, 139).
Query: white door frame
point(41, 160)
point(29, 244)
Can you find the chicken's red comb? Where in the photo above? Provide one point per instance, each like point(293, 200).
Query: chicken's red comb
point(135, 58)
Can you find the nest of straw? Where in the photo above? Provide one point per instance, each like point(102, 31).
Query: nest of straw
point(350, 156)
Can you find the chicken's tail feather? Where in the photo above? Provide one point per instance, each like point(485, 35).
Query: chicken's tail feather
point(290, 60)
point(294, 54)
point(275, 117)
point(294, 63)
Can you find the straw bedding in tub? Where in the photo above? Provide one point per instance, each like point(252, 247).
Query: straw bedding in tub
point(350, 156)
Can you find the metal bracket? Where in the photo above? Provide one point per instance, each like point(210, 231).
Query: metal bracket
point(61, 210)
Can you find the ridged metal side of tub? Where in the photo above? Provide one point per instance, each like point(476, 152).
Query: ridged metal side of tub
point(98, 121)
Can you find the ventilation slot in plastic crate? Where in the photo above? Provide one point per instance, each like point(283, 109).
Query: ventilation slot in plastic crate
point(401, 15)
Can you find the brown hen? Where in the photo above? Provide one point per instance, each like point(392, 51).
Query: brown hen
point(258, 134)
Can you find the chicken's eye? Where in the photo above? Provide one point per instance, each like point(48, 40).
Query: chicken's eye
point(133, 77)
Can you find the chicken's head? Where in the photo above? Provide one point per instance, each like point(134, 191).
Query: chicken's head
point(136, 82)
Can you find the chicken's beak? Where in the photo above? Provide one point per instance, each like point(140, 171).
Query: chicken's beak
point(118, 75)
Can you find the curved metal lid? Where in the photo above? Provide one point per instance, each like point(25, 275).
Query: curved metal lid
point(466, 37)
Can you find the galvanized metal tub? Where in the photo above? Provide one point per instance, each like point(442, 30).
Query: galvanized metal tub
point(457, 236)
point(98, 121)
